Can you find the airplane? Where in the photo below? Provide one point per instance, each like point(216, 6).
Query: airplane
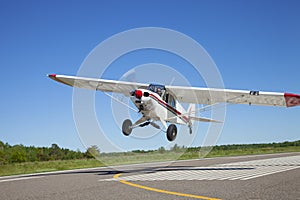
point(162, 102)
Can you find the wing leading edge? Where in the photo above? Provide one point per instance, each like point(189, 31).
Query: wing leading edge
point(97, 84)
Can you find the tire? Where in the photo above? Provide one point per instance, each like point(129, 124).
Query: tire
point(126, 127)
point(171, 132)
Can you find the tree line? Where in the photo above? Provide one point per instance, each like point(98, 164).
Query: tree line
point(20, 153)
point(250, 146)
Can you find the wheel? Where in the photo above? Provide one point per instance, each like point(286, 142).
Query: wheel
point(171, 132)
point(126, 127)
point(191, 130)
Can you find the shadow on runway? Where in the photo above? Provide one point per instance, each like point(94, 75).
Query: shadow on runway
point(146, 170)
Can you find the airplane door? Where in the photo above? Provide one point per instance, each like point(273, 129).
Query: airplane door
point(172, 102)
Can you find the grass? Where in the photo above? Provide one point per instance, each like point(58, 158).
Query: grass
point(241, 152)
point(130, 158)
point(135, 158)
point(47, 166)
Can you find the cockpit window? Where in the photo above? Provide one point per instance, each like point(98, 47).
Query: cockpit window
point(159, 89)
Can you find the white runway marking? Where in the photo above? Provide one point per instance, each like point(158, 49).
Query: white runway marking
point(231, 171)
point(20, 179)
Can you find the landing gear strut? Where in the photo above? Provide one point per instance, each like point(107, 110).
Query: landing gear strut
point(171, 132)
point(127, 127)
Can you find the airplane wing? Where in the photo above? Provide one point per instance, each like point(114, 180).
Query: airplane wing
point(211, 96)
point(187, 94)
point(98, 84)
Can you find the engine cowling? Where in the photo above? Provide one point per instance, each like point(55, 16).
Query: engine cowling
point(138, 94)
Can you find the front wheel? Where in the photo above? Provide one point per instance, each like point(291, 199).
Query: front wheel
point(171, 132)
point(126, 127)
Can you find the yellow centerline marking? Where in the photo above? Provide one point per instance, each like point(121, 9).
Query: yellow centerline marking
point(163, 191)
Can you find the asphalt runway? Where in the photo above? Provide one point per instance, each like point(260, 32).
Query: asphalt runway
point(275, 176)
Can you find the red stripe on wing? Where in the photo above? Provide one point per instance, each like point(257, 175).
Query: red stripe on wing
point(292, 99)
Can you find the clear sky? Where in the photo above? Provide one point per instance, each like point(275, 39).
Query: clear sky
point(255, 44)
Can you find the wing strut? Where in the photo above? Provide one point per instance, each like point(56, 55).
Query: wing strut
point(121, 102)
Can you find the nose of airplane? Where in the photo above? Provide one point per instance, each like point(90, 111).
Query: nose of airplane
point(138, 94)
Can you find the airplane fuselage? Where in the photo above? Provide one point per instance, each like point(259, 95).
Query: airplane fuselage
point(154, 107)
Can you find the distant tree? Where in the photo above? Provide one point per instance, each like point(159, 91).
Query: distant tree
point(139, 151)
point(43, 154)
point(17, 154)
point(92, 152)
point(54, 146)
point(31, 153)
point(175, 148)
point(2, 145)
point(161, 150)
point(55, 152)
point(2, 158)
point(17, 157)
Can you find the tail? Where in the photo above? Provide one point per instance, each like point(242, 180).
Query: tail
point(192, 116)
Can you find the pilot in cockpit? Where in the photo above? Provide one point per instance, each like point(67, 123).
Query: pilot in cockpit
point(158, 91)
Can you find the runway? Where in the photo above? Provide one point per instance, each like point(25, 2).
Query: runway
point(275, 176)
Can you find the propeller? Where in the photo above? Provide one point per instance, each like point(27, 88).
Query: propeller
point(120, 104)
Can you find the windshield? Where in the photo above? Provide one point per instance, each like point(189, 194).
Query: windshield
point(159, 89)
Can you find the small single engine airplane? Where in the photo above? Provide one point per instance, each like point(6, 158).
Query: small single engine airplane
point(161, 103)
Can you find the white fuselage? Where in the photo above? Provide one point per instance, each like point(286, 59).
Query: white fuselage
point(153, 107)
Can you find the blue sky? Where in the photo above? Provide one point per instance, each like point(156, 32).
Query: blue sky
point(255, 45)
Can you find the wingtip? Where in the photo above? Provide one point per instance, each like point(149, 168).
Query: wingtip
point(51, 75)
point(292, 99)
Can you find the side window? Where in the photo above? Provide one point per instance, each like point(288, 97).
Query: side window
point(166, 97)
point(171, 101)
